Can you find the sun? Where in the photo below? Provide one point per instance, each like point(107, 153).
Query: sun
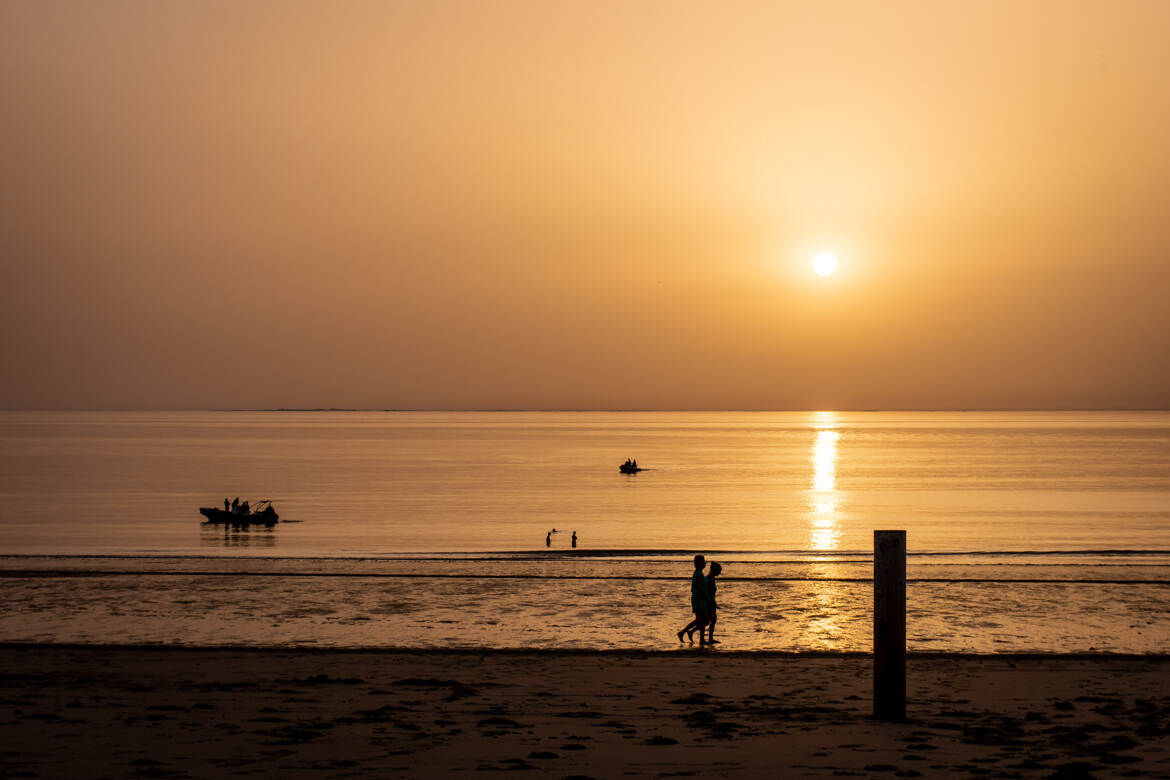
point(825, 263)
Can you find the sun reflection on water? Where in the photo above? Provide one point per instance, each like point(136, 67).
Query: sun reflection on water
point(824, 533)
point(825, 629)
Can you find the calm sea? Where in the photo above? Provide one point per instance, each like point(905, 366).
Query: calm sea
point(1027, 531)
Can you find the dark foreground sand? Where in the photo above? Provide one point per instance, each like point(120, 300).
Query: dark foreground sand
point(119, 712)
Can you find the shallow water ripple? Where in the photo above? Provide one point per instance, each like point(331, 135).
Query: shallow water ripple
point(202, 608)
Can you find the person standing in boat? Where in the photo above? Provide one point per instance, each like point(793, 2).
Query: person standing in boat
point(236, 505)
point(227, 506)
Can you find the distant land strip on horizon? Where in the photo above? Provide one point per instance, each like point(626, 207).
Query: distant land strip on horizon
point(682, 411)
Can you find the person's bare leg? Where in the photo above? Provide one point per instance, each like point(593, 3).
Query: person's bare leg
point(697, 624)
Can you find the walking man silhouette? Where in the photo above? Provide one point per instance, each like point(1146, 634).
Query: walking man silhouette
point(698, 602)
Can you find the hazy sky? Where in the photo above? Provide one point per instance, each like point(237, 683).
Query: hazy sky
point(584, 205)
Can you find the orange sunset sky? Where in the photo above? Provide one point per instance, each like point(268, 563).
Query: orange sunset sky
point(594, 205)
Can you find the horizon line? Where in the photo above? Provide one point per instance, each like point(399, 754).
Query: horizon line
point(504, 410)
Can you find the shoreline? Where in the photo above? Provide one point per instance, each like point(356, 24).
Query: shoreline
point(570, 652)
point(173, 711)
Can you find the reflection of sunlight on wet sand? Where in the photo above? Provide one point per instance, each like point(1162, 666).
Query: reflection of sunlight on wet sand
point(823, 531)
point(824, 627)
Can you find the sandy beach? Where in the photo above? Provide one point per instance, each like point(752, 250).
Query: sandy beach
point(186, 712)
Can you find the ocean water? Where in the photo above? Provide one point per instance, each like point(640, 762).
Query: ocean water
point(1041, 532)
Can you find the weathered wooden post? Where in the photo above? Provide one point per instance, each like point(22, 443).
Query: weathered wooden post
point(889, 625)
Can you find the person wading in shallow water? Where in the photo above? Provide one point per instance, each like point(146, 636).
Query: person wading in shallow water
point(574, 539)
point(712, 607)
point(698, 602)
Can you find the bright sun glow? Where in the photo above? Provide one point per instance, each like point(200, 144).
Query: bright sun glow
point(825, 263)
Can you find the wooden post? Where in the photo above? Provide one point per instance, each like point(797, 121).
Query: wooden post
point(889, 625)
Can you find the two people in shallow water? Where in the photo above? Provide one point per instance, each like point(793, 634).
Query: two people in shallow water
point(703, 603)
point(548, 538)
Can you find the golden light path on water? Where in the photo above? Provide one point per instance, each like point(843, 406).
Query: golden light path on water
point(824, 533)
point(824, 624)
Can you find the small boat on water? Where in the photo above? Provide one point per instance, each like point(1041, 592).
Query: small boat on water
point(263, 514)
point(630, 467)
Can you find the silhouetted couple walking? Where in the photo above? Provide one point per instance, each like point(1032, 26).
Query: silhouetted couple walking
point(702, 603)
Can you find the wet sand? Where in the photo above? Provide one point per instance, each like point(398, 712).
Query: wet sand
point(185, 712)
